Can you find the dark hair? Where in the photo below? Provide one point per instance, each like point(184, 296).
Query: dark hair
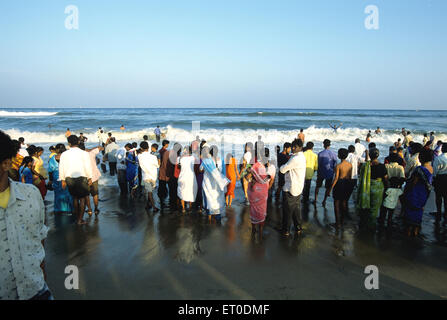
point(287, 145)
point(309, 145)
point(112, 139)
point(165, 142)
point(426, 155)
point(8, 149)
point(343, 153)
point(432, 133)
point(26, 161)
point(357, 140)
point(39, 149)
point(73, 140)
point(372, 145)
point(444, 148)
point(374, 153)
point(60, 148)
point(31, 150)
point(416, 148)
point(144, 145)
point(81, 145)
point(394, 157)
point(145, 137)
point(154, 145)
point(134, 144)
point(267, 153)
point(128, 145)
point(52, 148)
point(326, 143)
point(22, 139)
point(297, 143)
point(351, 149)
point(301, 130)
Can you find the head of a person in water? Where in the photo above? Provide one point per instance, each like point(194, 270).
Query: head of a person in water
point(144, 146)
point(22, 140)
point(102, 131)
point(399, 140)
point(145, 138)
point(158, 126)
point(301, 130)
point(351, 149)
point(426, 155)
point(297, 146)
point(326, 143)
point(73, 141)
point(343, 153)
point(374, 154)
point(154, 147)
point(287, 148)
point(357, 140)
point(134, 145)
point(372, 145)
point(408, 132)
point(81, 134)
point(432, 133)
point(165, 144)
point(8, 151)
point(425, 135)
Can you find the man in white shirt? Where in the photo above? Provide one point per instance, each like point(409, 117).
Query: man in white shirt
point(110, 155)
point(75, 171)
point(359, 149)
point(440, 183)
point(295, 174)
point(22, 233)
point(121, 167)
point(149, 168)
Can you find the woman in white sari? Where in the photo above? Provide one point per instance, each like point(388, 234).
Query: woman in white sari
point(214, 183)
point(187, 183)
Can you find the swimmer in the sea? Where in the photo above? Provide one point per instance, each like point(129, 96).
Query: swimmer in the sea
point(335, 127)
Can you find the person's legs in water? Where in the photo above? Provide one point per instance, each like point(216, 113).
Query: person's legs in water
point(245, 187)
point(337, 213)
point(183, 206)
point(89, 207)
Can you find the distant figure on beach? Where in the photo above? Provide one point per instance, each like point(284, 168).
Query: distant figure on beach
point(432, 140)
point(67, 133)
point(378, 131)
point(359, 149)
point(335, 127)
point(408, 138)
point(157, 132)
point(398, 143)
point(122, 128)
point(425, 139)
point(301, 135)
point(82, 138)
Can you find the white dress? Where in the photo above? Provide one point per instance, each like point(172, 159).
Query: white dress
point(187, 183)
point(214, 190)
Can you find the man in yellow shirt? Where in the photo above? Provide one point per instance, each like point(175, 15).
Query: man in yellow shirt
point(311, 167)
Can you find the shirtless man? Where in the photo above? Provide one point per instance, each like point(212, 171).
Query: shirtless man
point(342, 187)
point(301, 135)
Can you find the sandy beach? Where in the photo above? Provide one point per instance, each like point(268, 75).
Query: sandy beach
point(130, 254)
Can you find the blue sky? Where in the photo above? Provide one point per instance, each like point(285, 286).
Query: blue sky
point(245, 53)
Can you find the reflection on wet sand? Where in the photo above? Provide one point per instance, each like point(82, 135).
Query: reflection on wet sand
point(129, 253)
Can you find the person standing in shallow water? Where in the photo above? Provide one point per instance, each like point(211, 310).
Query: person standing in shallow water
point(233, 175)
point(301, 135)
point(283, 157)
point(416, 192)
point(295, 174)
point(327, 160)
point(342, 187)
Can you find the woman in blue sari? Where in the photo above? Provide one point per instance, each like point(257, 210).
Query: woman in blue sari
point(417, 191)
point(63, 202)
point(132, 171)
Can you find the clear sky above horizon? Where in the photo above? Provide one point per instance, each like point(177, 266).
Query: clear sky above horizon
point(246, 53)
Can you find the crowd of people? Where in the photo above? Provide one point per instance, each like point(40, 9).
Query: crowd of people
point(194, 177)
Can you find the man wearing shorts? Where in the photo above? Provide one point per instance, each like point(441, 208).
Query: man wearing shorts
point(75, 172)
point(327, 160)
point(149, 167)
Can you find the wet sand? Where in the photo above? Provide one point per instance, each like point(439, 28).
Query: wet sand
point(128, 253)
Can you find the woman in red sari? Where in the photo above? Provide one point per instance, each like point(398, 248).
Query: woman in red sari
point(258, 194)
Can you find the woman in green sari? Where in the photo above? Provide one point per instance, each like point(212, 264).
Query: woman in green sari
point(373, 182)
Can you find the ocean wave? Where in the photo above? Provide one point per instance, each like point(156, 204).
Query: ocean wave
point(262, 114)
point(236, 136)
point(4, 113)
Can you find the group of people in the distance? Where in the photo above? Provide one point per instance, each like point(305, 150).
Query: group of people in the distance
point(195, 177)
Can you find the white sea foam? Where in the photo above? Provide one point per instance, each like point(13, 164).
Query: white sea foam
point(343, 136)
point(26, 114)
